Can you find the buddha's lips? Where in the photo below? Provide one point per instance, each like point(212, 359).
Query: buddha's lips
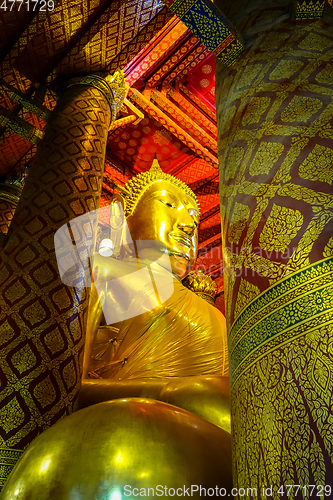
point(184, 240)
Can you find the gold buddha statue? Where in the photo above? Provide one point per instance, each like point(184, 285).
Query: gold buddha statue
point(174, 350)
point(176, 332)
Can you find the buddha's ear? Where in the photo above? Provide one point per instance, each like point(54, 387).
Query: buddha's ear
point(118, 198)
point(119, 231)
point(117, 212)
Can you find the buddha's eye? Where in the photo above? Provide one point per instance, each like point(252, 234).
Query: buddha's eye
point(168, 204)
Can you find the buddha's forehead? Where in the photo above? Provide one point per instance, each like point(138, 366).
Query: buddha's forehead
point(165, 188)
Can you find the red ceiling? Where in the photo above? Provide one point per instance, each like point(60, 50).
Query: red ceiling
point(172, 80)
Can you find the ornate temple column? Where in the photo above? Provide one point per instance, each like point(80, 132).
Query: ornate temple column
point(41, 319)
point(275, 131)
point(10, 192)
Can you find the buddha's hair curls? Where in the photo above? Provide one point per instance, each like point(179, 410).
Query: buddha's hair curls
point(136, 186)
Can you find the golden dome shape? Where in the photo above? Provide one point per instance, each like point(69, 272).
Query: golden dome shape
point(105, 451)
point(135, 186)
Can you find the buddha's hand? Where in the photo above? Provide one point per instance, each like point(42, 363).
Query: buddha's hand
point(118, 283)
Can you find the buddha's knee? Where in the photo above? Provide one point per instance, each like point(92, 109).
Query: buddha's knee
point(206, 396)
point(107, 450)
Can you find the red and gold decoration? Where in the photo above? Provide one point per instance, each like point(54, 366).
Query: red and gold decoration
point(308, 9)
point(10, 192)
point(211, 26)
point(275, 136)
point(270, 161)
point(42, 320)
point(202, 285)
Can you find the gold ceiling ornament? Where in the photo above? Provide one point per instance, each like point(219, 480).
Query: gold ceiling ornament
point(11, 198)
point(135, 187)
point(113, 87)
point(119, 87)
point(16, 124)
point(202, 285)
point(12, 185)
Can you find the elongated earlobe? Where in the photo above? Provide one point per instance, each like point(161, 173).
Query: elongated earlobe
point(117, 212)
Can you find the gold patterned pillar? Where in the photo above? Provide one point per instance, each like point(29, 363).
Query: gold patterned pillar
point(275, 126)
point(41, 319)
point(10, 192)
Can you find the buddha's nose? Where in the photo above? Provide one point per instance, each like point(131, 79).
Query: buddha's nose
point(186, 222)
point(188, 227)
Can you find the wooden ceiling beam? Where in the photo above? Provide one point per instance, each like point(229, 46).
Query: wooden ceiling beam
point(192, 65)
point(211, 213)
point(157, 53)
point(172, 126)
point(180, 59)
point(190, 61)
point(211, 26)
point(193, 111)
point(187, 123)
point(198, 102)
point(206, 245)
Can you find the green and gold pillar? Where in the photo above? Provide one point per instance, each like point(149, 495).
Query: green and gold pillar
point(41, 319)
point(10, 192)
point(275, 133)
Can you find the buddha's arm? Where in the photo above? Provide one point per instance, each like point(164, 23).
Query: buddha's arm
point(107, 269)
point(115, 284)
point(183, 336)
point(95, 315)
point(104, 269)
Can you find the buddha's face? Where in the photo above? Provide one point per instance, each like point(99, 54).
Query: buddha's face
point(169, 217)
